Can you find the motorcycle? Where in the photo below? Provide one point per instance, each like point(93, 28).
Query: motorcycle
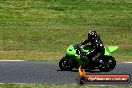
point(75, 59)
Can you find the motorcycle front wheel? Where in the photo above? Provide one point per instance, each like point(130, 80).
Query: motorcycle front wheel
point(65, 64)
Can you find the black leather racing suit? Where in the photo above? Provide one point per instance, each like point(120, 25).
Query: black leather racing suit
point(96, 47)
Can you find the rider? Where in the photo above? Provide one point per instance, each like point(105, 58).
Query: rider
point(96, 46)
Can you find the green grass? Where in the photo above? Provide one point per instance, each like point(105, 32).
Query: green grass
point(56, 86)
point(43, 29)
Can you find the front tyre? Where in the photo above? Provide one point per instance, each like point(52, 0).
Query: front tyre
point(65, 64)
point(107, 63)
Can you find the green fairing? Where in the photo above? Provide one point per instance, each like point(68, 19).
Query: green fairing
point(110, 49)
point(72, 52)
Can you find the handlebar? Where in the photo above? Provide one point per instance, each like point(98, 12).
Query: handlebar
point(78, 47)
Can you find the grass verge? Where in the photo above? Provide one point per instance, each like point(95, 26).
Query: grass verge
point(46, 26)
point(57, 86)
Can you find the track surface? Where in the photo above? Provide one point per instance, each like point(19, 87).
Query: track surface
point(46, 72)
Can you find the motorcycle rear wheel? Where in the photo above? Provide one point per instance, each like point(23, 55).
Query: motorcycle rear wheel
point(108, 64)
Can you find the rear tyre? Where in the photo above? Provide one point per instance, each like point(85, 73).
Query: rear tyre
point(65, 64)
point(108, 63)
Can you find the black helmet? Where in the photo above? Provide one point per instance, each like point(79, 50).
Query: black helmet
point(92, 34)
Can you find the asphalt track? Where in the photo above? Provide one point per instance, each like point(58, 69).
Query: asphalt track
point(47, 72)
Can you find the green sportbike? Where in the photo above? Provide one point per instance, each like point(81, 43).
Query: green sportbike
point(74, 59)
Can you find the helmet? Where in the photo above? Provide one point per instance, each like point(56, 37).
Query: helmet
point(92, 34)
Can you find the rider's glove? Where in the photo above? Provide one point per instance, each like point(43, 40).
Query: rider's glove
point(87, 53)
